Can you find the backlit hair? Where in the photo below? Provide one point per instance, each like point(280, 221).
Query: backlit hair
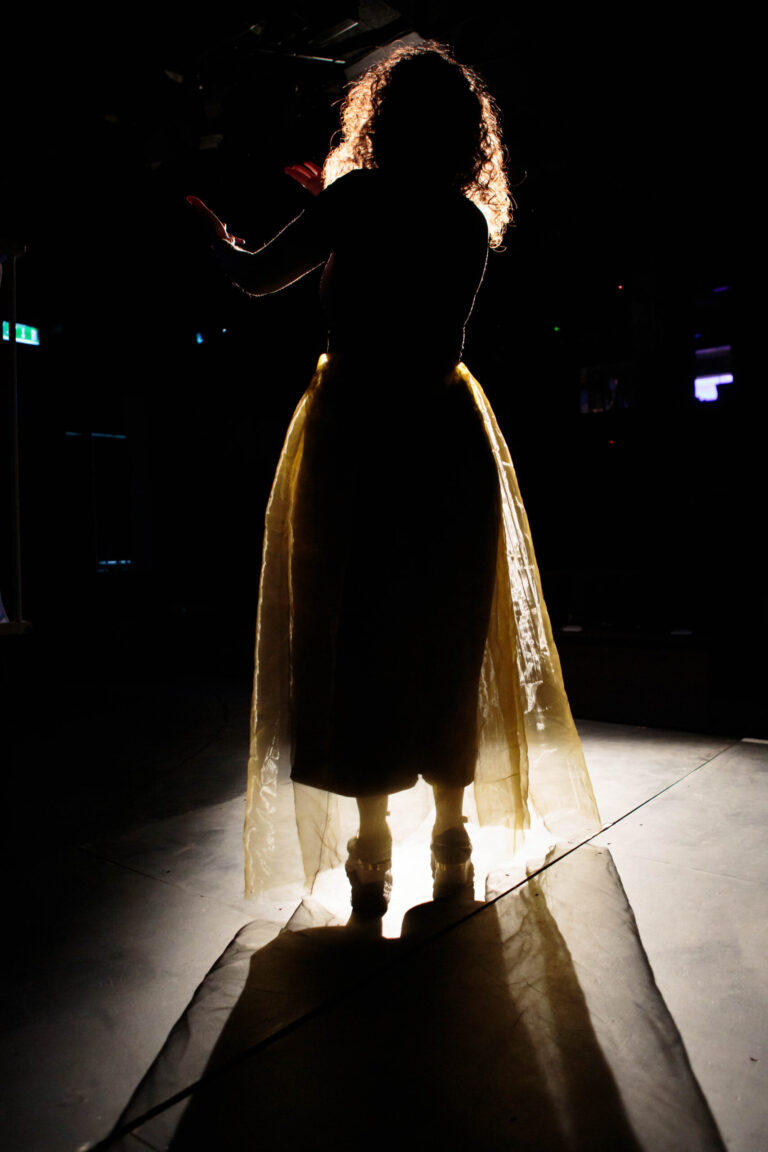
point(476, 161)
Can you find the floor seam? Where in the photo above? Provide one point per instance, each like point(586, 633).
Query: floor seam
point(666, 788)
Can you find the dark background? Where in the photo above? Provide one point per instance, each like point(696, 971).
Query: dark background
point(645, 503)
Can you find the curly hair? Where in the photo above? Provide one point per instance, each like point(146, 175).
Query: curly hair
point(384, 112)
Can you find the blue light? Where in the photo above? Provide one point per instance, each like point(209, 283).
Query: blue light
point(720, 350)
point(724, 378)
point(705, 387)
point(198, 337)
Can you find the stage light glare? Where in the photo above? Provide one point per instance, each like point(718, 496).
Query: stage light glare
point(705, 387)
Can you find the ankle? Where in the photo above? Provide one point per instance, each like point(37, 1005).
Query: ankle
point(449, 805)
point(373, 819)
point(449, 823)
point(374, 843)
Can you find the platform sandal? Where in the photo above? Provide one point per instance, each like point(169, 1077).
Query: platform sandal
point(369, 869)
point(453, 873)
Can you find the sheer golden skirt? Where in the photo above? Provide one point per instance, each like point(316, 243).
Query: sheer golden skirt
point(401, 627)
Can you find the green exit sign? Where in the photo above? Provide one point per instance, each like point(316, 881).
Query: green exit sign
point(24, 333)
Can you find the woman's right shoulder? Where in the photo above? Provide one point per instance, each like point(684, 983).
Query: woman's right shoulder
point(351, 183)
point(345, 194)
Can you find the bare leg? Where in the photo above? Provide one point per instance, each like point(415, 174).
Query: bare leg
point(369, 861)
point(449, 803)
point(374, 829)
point(452, 868)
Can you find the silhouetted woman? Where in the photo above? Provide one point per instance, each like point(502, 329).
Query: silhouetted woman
point(387, 629)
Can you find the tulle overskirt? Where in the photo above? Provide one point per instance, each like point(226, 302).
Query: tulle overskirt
point(515, 726)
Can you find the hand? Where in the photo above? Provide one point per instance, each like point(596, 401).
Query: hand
point(219, 229)
point(308, 174)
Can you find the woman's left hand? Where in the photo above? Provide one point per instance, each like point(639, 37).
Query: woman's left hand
point(217, 227)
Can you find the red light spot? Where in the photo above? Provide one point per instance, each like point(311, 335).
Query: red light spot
point(620, 287)
point(610, 441)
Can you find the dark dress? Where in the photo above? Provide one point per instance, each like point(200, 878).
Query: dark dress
point(395, 512)
point(401, 629)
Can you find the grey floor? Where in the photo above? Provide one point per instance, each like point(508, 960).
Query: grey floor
point(127, 920)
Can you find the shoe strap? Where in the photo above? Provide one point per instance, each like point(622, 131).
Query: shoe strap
point(364, 865)
point(451, 848)
point(356, 861)
point(457, 867)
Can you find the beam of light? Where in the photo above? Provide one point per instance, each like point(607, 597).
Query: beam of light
point(720, 350)
point(705, 387)
point(24, 333)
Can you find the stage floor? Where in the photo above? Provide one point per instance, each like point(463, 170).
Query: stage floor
point(126, 926)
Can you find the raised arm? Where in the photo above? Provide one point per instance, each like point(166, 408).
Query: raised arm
point(299, 248)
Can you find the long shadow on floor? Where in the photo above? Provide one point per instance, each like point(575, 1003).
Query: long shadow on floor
point(531, 1023)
